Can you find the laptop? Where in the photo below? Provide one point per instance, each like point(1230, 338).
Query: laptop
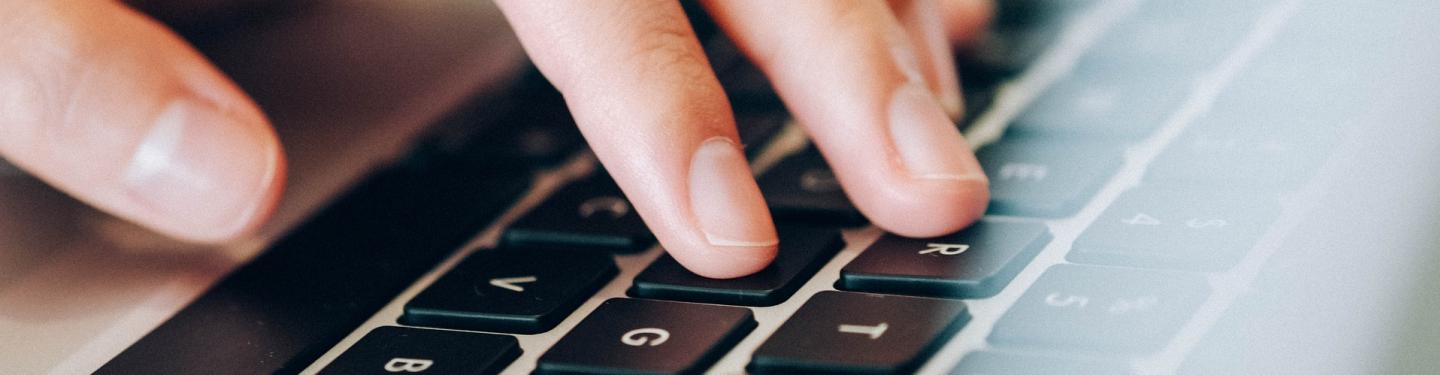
point(1188, 187)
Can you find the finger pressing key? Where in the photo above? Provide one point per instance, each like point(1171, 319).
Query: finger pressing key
point(852, 76)
point(648, 102)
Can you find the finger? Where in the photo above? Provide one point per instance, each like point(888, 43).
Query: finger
point(923, 23)
point(965, 20)
point(113, 109)
point(848, 72)
point(648, 102)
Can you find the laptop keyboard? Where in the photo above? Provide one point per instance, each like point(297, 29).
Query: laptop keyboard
point(1117, 291)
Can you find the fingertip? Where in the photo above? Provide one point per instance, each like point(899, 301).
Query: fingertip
point(205, 176)
point(966, 20)
point(936, 208)
point(726, 262)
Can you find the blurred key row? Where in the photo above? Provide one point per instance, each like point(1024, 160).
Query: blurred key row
point(1132, 288)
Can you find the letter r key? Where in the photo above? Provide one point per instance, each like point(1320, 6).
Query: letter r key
point(945, 249)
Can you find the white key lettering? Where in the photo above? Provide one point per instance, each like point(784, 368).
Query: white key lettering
point(1142, 219)
point(945, 249)
point(645, 336)
point(398, 364)
point(509, 283)
point(1024, 172)
point(1058, 300)
point(874, 331)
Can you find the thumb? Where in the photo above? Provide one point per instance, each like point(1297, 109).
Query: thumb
point(112, 108)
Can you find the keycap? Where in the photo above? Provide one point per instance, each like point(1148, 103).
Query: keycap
point(314, 286)
point(757, 127)
point(975, 262)
point(1103, 103)
point(1166, 39)
point(389, 350)
point(625, 336)
point(587, 214)
point(802, 188)
point(1005, 363)
point(1020, 33)
point(1235, 149)
point(1046, 178)
point(532, 127)
point(803, 250)
point(1186, 229)
point(1101, 310)
point(514, 291)
point(859, 333)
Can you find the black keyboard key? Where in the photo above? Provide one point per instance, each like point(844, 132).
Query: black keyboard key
point(803, 188)
point(517, 291)
point(590, 213)
point(1020, 33)
point(313, 287)
point(1002, 363)
point(531, 128)
point(1046, 178)
point(758, 128)
point(1198, 230)
point(631, 336)
point(1101, 309)
point(389, 350)
point(859, 333)
point(1108, 104)
point(803, 250)
point(975, 262)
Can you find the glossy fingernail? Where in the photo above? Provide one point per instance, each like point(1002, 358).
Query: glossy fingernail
point(725, 199)
point(928, 142)
point(205, 170)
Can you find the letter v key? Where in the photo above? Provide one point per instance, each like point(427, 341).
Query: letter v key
point(509, 282)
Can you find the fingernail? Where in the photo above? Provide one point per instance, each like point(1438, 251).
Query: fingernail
point(202, 169)
point(929, 144)
point(725, 199)
point(953, 104)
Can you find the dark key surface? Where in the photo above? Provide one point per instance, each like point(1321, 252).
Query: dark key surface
point(531, 128)
point(859, 333)
point(1021, 31)
point(321, 281)
point(1105, 103)
point(518, 291)
point(1003, 363)
point(1101, 309)
point(1203, 230)
point(1046, 178)
point(975, 262)
point(803, 250)
point(629, 336)
point(803, 188)
point(590, 213)
point(757, 128)
point(389, 350)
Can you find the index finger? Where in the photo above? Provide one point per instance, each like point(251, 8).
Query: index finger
point(646, 99)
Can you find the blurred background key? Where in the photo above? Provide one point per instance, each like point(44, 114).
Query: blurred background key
point(1046, 177)
point(1102, 310)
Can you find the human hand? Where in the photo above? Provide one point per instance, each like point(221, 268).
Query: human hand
point(872, 82)
point(111, 107)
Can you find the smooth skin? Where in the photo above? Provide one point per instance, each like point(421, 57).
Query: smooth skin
point(108, 105)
